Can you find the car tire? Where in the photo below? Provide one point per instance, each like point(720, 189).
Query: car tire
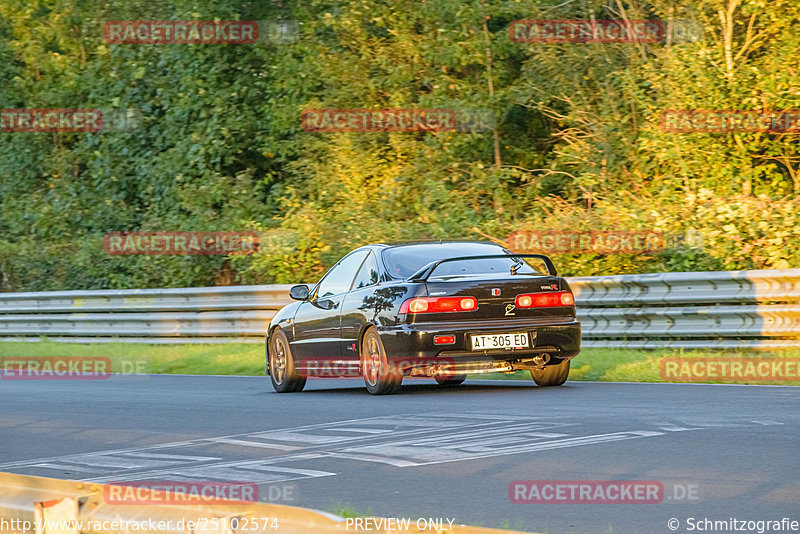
point(552, 375)
point(450, 381)
point(380, 378)
point(282, 373)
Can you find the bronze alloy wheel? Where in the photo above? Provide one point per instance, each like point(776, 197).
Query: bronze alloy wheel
point(380, 378)
point(285, 379)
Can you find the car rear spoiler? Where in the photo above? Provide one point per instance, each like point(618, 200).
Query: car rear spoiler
point(423, 274)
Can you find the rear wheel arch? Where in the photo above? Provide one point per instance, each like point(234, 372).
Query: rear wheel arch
point(361, 333)
point(379, 376)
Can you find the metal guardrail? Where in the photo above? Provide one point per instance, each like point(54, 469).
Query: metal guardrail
point(721, 309)
point(184, 315)
point(53, 506)
point(725, 309)
point(714, 287)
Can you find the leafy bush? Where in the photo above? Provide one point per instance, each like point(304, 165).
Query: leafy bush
point(219, 145)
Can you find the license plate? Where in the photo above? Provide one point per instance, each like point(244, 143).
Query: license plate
point(499, 341)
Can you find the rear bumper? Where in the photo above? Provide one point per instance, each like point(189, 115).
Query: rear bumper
point(560, 340)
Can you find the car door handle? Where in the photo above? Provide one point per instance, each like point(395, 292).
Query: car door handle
point(327, 304)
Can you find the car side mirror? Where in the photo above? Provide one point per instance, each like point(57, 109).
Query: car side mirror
point(299, 292)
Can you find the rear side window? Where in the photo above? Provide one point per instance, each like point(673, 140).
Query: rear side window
point(368, 275)
point(340, 277)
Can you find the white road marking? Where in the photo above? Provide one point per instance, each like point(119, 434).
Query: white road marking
point(401, 440)
point(180, 457)
point(767, 422)
point(257, 444)
point(298, 437)
point(675, 428)
point(120, 462)
point(237, 471)
point(248, 472)
point(361, 430)
point(69, 468)
point(374, 459)
point(412, 454)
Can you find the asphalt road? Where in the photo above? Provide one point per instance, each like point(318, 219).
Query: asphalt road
point(719, 452)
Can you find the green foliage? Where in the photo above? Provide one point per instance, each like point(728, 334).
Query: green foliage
point(247, 359)
point(220, 146)
point(346, 511)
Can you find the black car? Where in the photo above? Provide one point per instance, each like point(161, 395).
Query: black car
point(440, 310)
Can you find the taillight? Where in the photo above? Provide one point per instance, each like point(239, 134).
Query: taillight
point(540, 300)
point(439, 304)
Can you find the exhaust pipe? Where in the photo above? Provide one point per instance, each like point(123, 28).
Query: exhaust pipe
point(541, 359)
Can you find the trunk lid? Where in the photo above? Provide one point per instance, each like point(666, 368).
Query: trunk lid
point(496, 295)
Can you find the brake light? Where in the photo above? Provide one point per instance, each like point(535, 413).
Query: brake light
point(439, 304)
point(541, 300)
point(444, 340)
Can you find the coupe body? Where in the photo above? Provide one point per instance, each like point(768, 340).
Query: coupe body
point(440, 310)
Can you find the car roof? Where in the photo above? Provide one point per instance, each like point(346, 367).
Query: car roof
point(398, 244)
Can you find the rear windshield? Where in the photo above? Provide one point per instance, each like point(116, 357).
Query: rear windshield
point(403, 261)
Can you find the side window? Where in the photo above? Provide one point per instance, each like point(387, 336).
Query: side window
point(340, 277)
point(368, 275)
